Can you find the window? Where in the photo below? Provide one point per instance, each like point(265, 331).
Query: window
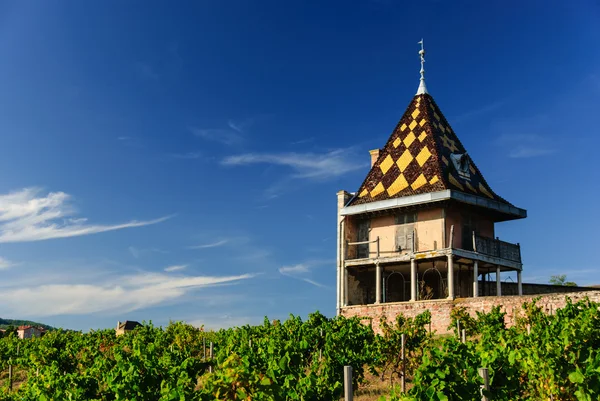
point(461, 164)
point(405, 231)
point(362, 250)
point(406, 218)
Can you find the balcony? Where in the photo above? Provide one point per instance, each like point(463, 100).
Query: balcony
point(497, 248)
point(407, 245)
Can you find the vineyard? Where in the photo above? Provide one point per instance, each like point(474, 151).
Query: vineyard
point(543, 357)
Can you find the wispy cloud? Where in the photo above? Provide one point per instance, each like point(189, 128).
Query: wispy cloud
point(479, 111)
point(225, 136)
point(116, 296)
point(305, 165)
point(175, 268)
point(295, 269)
point(5, 264)
point(522, 137)
point(525, 145)
point(523, 151)
point(241, 126)
point(302, 141)
point(26, 216)
point(301, 271)
point(139, 252)
point(188, 155)
point(123, 138)
point(210, 244)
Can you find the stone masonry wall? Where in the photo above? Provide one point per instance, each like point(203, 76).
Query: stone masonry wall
point(528, 288)
point(440, 309)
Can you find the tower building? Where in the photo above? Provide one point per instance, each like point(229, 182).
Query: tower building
point(422, 224)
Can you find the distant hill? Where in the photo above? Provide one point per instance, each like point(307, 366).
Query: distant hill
point(4, 323)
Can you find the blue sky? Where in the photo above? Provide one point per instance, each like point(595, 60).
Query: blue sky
point(162, 162)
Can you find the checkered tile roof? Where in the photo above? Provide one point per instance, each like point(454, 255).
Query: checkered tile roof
point(417, 158)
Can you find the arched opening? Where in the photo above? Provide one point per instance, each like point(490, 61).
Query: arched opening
point(395, 288)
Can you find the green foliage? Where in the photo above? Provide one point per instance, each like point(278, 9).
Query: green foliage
point(466, 321)
point(303, 360)
point(6, 323)
point(389, 345)
point(561, 279)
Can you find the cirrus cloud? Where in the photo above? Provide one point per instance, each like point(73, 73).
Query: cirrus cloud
point(26, 215)
point(118, 295)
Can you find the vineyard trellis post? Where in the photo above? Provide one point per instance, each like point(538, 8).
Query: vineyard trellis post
point(403, 379)
point(348, 392)
point(464, 336)
point(210, 355)
point(10, 376)
point(483, 372)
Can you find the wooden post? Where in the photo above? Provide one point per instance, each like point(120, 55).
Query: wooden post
point(204, 346)
point(519, 283)
point(378, 280)
point(10, 378)
point(464, 336)
point(250, 343)
point(528, 329)
point(498, 282)
point(377, 247)
point(403, 379)
point(474, 242)
point(483, 372)
point(413, 280)
point(451, 236)
point(475, 279)
point(210, 355)
point(348, 393)
point(450, 275)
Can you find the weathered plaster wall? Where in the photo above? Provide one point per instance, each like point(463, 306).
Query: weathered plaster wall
point(455, 216)
point(429, 229)
point(383, 227)
point(440, 309)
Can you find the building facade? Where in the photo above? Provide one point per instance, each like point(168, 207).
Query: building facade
point(422, 224)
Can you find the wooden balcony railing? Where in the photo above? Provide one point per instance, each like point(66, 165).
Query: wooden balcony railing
point(497, 248)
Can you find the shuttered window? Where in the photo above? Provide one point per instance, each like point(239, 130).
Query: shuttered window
point(362, 251)
point(405, 231)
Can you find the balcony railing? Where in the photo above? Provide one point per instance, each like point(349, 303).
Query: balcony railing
point(497, 248)
point(480, 244)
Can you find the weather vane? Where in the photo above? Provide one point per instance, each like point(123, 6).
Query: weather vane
point(422, 88)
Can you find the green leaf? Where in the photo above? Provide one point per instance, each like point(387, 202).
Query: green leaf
point(441, 396)
point(576, 377)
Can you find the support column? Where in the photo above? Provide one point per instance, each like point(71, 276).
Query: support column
point(377, 283)
point(345, 286)
point(450, 277)
point(475, 279)
point(413, 280)
point(519, 282)
point(498, 282)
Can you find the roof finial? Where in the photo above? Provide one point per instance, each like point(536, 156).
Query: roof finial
point(422, 88)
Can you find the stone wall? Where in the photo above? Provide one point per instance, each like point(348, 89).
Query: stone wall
point(528, 289)
point(440, 309)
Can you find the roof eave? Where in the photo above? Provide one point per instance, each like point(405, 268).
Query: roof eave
point(511, 212)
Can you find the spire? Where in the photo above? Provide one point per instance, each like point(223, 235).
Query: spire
point(422, 88)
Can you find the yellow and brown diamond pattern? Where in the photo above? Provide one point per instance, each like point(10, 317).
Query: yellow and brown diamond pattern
point(417, 159)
